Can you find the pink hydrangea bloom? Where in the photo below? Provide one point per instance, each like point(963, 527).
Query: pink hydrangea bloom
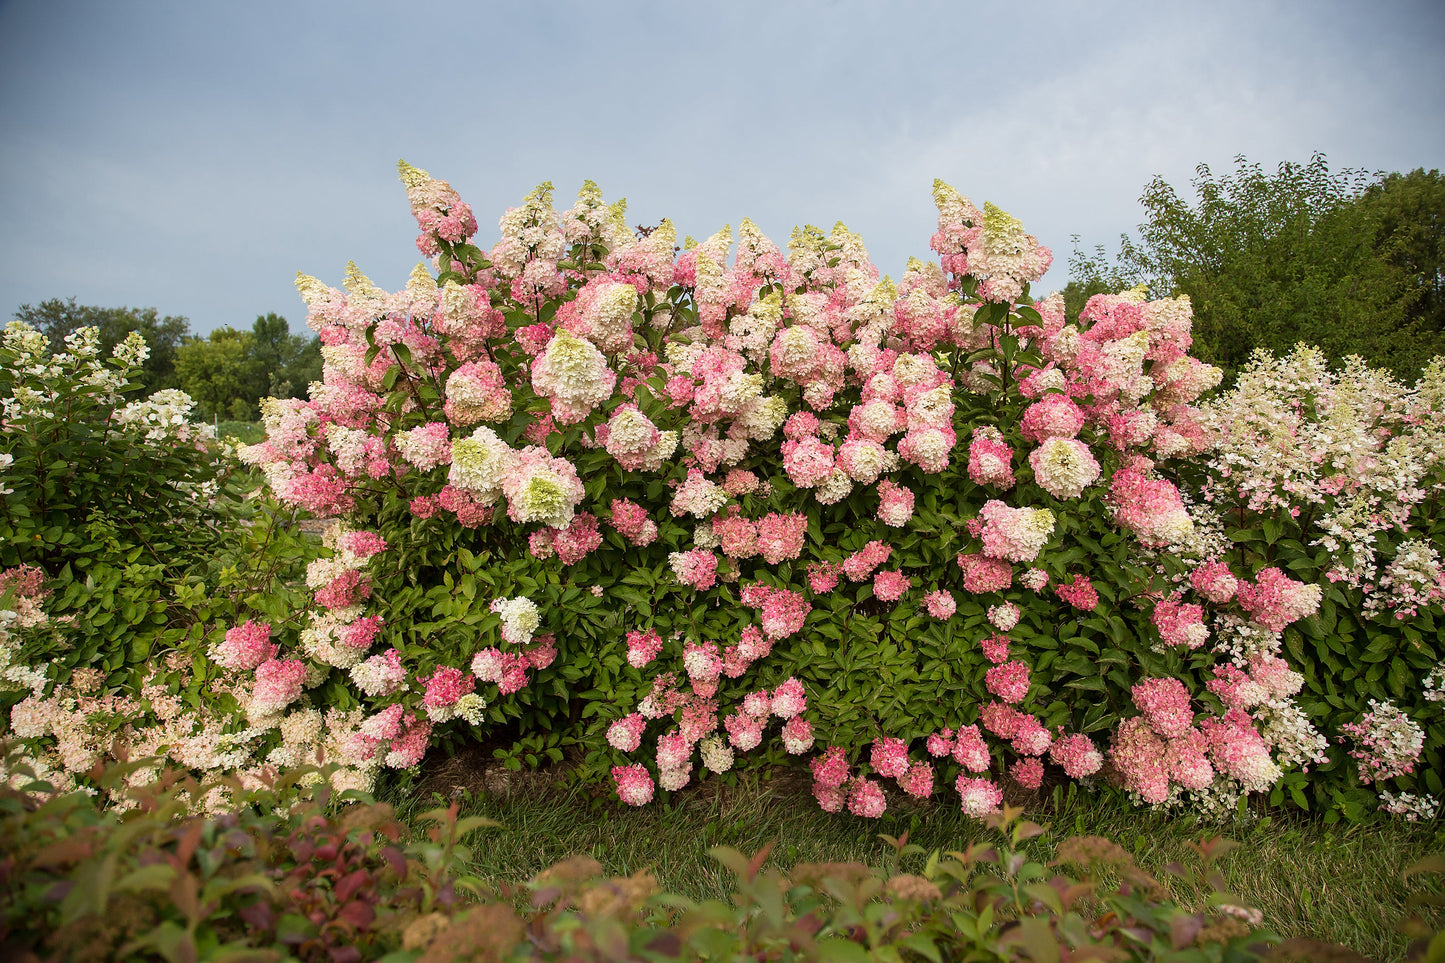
point(625, 734)
point(989, 459)
point(1235, 688)
point(1275, 676)
point(1031, 737)
point(890, 586)
point(788, 699)
point(983, 574)
point(889, 757)
point(745, 731)
point(702, 661)
point(361, 633)
point(978, 797)
point(1165, 704)
point(860, 565)
point(895, 504)
point(865, 798)
point(969, 750)
point(830, 798)
point(1214, 581)
point(780, 537)
point(1180, 623)
point(1079, 592)
point(633, 523)
point(1140, 756)
point(1055, 416)
point(807, 462)
point(346, 589)
point(917, 781)
point(278, 684)
point(738, 535)
point(740, 482)
point(995, 648)
point(246, 646)
point(1035, 579)
point(928, 448)
point(797, 736)
point(831, 768)
point(1237, 749)
point(514, 673)
point(1150, 508)
point(379, 675)
point(642, 647)
point(632, 439)
point(1016, 534)
point(1076, 755)
point(409, 748)
point(577, 539)
point(758, 703)
point(1275, 600)
point(362, 544)
point(1010, 681)
point(695, 568)
point(634, 784)
point(426, 447)
point(823, 576)
point(940, 604)
point(1001, 719)
point(782, 611)
point(445, 686)
point(1028, 772)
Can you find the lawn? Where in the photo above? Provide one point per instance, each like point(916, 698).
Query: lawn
point(1339, 884)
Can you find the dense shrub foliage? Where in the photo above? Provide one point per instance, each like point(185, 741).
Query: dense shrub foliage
point(288, 875)
point(686, 511)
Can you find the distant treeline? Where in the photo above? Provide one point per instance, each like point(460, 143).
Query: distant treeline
point(1351, 261)
point(226, 373)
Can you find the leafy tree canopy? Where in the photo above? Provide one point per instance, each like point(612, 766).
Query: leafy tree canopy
point(230, 371)
point(1347, 260)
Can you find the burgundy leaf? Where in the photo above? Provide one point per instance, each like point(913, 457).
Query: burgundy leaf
point(665, 943)
point(358, 914)
point(396, 859)
point(348, 885)
point(258, 915)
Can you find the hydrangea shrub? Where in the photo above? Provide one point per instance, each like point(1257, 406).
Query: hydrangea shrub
point(724, 505)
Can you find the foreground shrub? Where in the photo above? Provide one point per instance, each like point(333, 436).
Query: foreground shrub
point(283, 873)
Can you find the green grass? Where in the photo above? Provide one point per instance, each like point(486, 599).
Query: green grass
point(1340, 884)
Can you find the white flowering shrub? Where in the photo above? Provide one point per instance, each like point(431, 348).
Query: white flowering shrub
point(120, 551)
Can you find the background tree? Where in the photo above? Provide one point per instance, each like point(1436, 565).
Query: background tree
point(287, 362)
point(57, 318)
point(229, 371)
point(1347, 260)
point(220, 373)
point(1408, 211)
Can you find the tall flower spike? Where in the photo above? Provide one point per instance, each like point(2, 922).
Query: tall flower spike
point(412, 177)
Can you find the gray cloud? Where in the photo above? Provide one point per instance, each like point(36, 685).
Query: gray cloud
point(195, 156)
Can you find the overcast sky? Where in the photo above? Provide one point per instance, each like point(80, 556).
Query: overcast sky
point(193, 156)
